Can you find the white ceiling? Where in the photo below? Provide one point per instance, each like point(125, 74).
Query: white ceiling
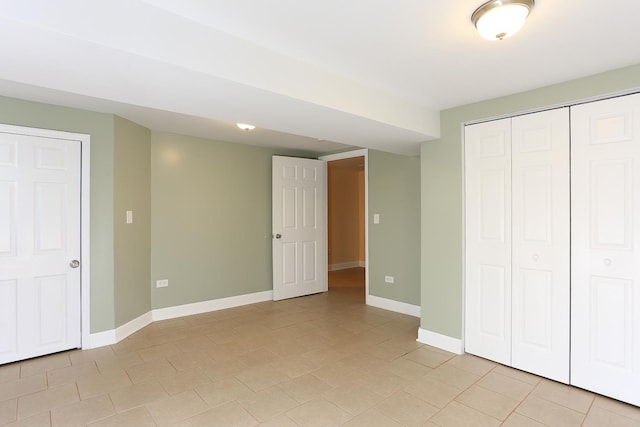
point(316, 76)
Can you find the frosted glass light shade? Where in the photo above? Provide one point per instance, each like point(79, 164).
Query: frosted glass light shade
point(497, 20)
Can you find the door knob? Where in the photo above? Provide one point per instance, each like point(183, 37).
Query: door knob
point(278, 236)
point(74, 264)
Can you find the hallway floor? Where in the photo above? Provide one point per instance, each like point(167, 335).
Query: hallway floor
point(322, 360)
point(347, 278)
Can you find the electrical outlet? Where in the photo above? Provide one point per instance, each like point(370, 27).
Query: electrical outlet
point(162, 283)
point(388, 279)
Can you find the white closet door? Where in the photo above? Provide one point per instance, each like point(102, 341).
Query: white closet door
point(605, 285)
point(488, 240)
point(540, 243)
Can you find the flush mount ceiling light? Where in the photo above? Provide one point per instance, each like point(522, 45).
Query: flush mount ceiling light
point(499, 19)
point(245, 126)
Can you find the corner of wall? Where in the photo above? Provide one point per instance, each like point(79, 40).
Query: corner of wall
point(443, 342)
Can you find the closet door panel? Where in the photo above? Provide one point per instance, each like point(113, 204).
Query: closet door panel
point(488, 240)
point(605, 286)
point(540, 243)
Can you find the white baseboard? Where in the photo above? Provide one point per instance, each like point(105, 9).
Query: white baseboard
point(345, 265)
point(112, 336)
point(211, 305)
point(133, 326)
point(100, 339)
point(443, 342)
point(391, 305)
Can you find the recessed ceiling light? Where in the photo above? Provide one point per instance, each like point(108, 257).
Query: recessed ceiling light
point(245, 126)
point(499, 19)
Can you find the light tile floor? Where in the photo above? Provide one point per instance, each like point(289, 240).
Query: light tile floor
point(321, 360)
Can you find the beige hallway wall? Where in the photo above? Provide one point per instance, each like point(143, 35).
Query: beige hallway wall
point(346, 212)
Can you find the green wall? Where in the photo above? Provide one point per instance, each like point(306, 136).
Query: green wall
point(211, 222)
point(132, 242)
point(442, 188)
point(101, 128)
point(202, 215)
point(394, 244)
point(120, 180)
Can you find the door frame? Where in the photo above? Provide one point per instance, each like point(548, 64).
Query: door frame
point(348, 155)
point(85, 205)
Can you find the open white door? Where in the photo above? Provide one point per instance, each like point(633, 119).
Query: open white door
point(299, 227)
point(39, 245)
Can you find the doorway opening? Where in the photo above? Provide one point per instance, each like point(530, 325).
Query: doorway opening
point(346, 223)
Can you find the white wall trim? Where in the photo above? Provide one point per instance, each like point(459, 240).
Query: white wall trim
point(211, 305)
point(392, 305)
point(569, 103)
point(113, 336)
point(346, 265)
point(133, 326)
point(443, 342)
point(345, 155)
point(99, 339)
point(85, 240)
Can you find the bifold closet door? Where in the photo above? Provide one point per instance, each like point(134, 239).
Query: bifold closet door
point(540, 243)
point(488, 240)
point(605, 283)
point(517, 242)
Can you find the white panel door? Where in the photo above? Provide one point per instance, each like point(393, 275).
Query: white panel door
point(39, 236)
point(540, 243)
point(605, 229)
point(488, 240)
point(299, 227)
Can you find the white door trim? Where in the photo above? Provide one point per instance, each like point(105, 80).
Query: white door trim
point(569, 103)
point(85, 167)
point(348, 155)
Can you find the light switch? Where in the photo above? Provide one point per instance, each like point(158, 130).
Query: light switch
point(376, 218)
point(129, 217)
